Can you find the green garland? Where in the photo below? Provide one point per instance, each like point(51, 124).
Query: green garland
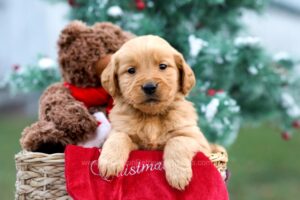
point(219, 115)
point(35, 77)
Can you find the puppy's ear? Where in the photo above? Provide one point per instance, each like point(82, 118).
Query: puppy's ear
point(109, 78)
point(187, 77)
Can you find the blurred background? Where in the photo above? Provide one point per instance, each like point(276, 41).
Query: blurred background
point(263, 163)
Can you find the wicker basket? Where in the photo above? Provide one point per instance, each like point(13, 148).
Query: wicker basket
point(41, 176)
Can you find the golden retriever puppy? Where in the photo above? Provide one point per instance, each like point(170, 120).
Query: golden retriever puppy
point(149, 80)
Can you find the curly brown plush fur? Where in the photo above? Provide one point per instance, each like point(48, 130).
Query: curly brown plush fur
point(83, 54)
point(80, 47)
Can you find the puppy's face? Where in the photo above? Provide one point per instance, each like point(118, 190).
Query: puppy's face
point(147, 73)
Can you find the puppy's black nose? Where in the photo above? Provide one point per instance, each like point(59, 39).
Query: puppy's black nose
point(149, 88)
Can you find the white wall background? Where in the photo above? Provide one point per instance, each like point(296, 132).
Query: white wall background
point(28, 28)
point(279, 30)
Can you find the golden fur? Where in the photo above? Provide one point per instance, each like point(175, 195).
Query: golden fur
point(166, 121)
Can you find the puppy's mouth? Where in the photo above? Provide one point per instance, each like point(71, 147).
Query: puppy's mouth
point(151, 100)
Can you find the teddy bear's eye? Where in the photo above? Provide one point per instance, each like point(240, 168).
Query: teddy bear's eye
point(131, 70)
point(162, 66)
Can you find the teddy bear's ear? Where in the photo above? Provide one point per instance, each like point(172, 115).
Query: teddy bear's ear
point(112, 36)
point(102, 64)
point(70, 33)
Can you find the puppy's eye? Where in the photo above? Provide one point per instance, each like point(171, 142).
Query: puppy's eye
point(162, 66)
point(131, 70)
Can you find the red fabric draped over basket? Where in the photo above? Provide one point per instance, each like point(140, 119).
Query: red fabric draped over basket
point(142, 178)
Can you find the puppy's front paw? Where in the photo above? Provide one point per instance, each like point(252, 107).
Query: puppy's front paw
point(110, 165)
point(178, 174)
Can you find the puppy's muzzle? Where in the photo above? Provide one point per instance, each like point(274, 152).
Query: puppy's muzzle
point(149, 88)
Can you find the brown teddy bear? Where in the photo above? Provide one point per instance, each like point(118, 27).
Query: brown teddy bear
point(66, 109)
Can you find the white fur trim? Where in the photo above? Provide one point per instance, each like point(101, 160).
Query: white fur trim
point(101, 132)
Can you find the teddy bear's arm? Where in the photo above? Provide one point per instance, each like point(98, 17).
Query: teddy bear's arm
point(69, 115)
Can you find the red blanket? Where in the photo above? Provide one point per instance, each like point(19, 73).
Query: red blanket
point(143, 178)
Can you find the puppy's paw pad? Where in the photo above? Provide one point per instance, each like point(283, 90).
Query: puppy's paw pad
point(109, 168)
point(179, 177)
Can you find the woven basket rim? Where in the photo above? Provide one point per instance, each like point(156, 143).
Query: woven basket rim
point(32, 157)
